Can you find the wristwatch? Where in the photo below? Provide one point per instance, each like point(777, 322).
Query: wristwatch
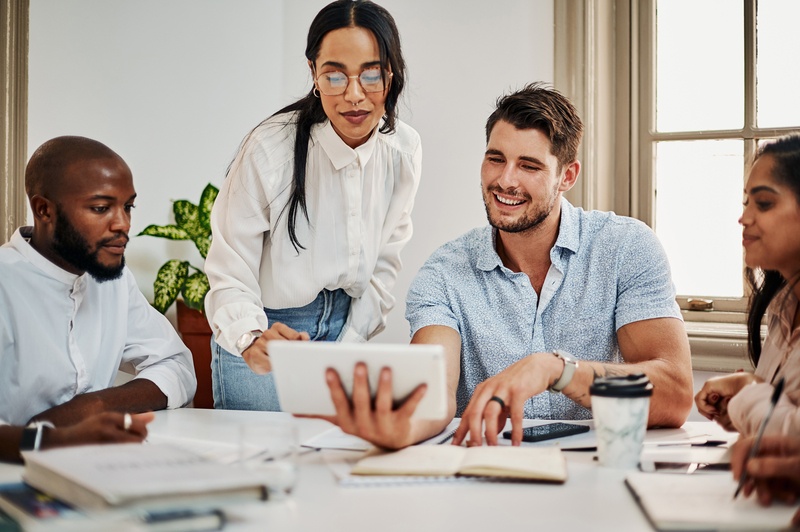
point(32, 435)
point(570, 365)
point(246, 340)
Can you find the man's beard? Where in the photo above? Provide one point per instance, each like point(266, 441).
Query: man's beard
point(74, 249)
point(526, 222)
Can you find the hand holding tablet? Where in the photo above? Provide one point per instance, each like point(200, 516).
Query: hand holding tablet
point(299, 369)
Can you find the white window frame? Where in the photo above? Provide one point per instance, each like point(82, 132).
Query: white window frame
point(14, 113)
point(604, 59)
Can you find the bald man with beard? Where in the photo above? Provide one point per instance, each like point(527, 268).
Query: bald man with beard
point(71, 313)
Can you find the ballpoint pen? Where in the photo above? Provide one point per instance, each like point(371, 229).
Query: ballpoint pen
point(757, 443)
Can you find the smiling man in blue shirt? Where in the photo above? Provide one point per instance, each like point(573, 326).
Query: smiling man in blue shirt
point(534, 307)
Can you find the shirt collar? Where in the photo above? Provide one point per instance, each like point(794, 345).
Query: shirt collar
point(337, 151)
point(569, 229)
point(20, 241)
point(568, 238)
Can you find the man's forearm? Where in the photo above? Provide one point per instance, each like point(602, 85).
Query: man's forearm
point(138, 395)
point(672, 390)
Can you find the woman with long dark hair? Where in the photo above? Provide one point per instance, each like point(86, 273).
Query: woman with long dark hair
point(315, 209)
point(771, 239)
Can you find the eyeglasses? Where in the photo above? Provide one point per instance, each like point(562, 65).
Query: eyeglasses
point(335, 83)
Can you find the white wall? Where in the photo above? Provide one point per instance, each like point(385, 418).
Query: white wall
point(173, 86)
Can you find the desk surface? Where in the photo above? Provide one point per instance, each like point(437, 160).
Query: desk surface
point(593, 498)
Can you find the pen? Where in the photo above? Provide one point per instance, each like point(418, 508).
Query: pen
point(754, 449)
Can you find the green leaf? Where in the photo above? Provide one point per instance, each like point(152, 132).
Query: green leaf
point(187, 216)
point(171, 232)
point(202, 244)
point(206, 202)
point(169, 282)
point(194, 291)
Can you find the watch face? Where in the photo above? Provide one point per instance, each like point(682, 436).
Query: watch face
point(244, 341)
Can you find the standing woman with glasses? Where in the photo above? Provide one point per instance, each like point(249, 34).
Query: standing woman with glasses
point(315, 209)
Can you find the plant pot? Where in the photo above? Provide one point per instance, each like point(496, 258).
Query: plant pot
point(196, 334)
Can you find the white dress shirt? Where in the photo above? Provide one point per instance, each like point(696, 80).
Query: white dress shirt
point(62, 335)
point(359, 208)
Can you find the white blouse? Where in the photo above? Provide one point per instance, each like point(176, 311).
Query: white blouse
point(780, 357)
point(359, 210)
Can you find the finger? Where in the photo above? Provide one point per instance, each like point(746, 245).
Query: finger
point(139, 423)
point(477, 410)
point(774, 466)
point(410, 405)
point(383, 396)
point(344, 414)
point(517, 413)
point(461, 431)
point(287, 332)
point(362, 399)
point(739, 455)
point(491, 413)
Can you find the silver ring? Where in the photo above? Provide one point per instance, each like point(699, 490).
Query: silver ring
point(127, 422)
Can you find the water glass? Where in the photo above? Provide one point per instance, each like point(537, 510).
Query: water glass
point(269, 449)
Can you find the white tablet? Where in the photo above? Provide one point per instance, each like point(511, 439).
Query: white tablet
point(299, 372)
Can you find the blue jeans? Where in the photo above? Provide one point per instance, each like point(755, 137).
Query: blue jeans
point(234, 384)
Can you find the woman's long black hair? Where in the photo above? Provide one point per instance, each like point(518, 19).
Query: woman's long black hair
point(785, 153)
point(334, 16)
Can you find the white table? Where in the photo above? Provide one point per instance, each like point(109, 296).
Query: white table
point(593, 498)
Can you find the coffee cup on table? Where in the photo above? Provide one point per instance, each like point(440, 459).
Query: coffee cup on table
point(620, 407)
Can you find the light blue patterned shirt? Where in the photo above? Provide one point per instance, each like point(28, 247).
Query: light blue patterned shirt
point(607, 271)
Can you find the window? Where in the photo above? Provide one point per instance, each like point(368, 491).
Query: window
point(716, 77)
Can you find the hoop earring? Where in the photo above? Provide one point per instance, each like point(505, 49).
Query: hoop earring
point(315, 92)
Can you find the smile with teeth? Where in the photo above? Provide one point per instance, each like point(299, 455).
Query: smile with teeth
point(506, 201)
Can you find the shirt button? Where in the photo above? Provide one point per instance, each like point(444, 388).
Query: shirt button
point(353, 214)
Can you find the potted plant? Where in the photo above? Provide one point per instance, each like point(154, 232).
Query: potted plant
point(192, 222)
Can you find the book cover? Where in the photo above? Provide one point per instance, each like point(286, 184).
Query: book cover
point(94, 477)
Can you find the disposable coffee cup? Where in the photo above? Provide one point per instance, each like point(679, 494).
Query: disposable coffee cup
point(620, 406)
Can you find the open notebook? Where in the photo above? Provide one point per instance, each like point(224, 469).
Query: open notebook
point(703, 502)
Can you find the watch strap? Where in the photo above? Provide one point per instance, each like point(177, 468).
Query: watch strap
point(570, 365)
point(32, 435)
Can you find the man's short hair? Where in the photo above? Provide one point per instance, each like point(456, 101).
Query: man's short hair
point(543, 108)
point(45, 171)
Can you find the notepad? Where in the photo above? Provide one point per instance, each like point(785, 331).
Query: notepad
point(703, 502)
point(544, 464)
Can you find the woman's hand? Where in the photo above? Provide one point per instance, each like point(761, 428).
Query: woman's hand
point(257, 356)
point(712, 399)
point(774, 474)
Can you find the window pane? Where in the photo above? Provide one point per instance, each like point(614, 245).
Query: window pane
point(778, 76)
point(700, 65)
point(698, 205)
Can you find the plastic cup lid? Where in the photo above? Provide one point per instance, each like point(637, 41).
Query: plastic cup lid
point(635, 385)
